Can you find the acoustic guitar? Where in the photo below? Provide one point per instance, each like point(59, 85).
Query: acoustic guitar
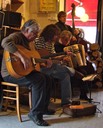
point(15, 66)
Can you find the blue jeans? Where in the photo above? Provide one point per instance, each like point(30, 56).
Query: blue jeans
point(40, 85)
point(62, 73)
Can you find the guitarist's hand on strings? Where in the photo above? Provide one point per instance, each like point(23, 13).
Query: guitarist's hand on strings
point(24, 59)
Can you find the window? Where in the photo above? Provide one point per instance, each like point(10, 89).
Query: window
point(89, 27)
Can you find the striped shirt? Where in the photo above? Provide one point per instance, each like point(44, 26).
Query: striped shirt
point(40, 43)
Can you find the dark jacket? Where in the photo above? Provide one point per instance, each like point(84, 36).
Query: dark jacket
point(58, 47)
point(63, 26)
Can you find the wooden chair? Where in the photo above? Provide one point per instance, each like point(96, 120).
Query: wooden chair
point(12, 92)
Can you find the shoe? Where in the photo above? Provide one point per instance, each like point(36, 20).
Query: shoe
point(49, 112)
point(85, 98)
point(75, 102)
point(38, 120)
point(66, 104)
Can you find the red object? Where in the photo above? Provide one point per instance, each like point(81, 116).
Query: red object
point(90, 7)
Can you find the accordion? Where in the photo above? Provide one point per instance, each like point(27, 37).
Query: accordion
point(80, 57)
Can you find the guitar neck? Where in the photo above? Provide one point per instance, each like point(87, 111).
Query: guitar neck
point(36, 60)
point(53, 55)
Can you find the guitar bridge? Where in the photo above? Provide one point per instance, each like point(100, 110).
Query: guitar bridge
point(34, 62)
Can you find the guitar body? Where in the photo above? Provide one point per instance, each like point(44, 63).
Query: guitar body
point(15, 66)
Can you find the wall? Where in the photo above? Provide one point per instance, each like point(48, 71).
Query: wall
point(30, 9)
point(0, 4)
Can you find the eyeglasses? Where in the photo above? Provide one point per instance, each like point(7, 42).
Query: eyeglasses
point(34, 32)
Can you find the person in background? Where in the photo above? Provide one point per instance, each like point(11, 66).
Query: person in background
point(39, 83)
point(63, 26)
point(64, 41)
point(62, 22)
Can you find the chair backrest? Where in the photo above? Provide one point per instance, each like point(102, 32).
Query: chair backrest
point(2, 14)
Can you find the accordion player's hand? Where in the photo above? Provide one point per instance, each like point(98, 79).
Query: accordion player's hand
point(70, 53)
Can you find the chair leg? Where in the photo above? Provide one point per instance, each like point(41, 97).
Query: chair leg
point(18, 104)
point(30, 99)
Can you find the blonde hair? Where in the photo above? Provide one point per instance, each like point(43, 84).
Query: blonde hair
point(65, 34)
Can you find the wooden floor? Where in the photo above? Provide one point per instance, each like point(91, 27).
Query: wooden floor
point(10, 120)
